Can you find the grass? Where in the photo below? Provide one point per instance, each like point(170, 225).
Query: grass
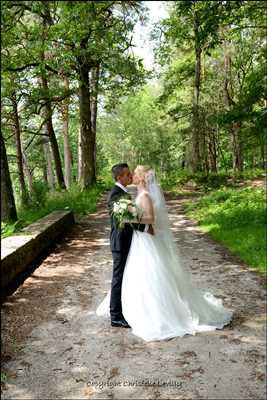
point(237, 219)
point(182, 179)
point(232, 216)
point(81, 202)
point(3, 379)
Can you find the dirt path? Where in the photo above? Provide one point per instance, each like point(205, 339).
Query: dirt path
point(54, 347)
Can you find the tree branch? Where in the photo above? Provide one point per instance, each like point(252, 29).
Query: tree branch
point(252, 27)
point(63, 43)
point(30, 65)
point(181, 116)
point(32, 139)
point(19, 69)
point(9, 137)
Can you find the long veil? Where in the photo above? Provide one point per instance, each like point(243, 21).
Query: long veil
point(204, 306)
point(162, 227)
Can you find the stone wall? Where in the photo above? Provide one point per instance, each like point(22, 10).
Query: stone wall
point(20, 251)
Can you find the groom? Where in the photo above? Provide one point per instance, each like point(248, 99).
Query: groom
point(120, 242)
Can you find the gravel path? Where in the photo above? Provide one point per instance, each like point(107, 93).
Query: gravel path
point(54, 347)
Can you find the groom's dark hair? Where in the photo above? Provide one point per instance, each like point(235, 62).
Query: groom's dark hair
point(117, 169)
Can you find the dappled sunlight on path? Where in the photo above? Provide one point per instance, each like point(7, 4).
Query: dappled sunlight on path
point(54, 346)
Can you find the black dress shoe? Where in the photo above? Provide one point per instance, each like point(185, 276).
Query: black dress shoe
point(120, 323)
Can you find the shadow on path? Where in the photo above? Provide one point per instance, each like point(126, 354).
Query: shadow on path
point(55, 347)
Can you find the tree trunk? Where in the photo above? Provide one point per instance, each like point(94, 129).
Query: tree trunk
point(237, 157)
point(49, 168)
point(263, 152)
point(28, 172)
point(264, 156)
point(87, 140)
point(212, 151)
point(16, 126)
point(196, 160)
point(8, 207)
point(51, 133)
point(94, 96)
point(80, 154)
point(237, 147)
point(205, 153)
point(47, 22)
point(183, 164)
point(45, 173)
point(67, 150)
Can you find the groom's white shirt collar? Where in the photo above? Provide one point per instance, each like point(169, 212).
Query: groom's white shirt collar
point(121, 186)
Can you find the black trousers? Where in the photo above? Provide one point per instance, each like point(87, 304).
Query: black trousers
point(119, 261)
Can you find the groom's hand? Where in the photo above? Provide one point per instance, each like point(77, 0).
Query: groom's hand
point(150, 230)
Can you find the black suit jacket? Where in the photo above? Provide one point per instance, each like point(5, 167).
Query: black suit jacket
point(120, 238)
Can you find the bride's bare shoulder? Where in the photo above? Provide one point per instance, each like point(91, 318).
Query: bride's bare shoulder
point(144, 198)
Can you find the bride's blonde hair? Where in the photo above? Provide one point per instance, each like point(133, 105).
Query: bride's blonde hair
point(142, 171)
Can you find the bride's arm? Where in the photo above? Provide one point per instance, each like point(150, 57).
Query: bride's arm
point(148, 211)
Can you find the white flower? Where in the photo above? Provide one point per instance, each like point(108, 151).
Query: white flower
point(116, 207)
point(125, 201)
point(124, 206)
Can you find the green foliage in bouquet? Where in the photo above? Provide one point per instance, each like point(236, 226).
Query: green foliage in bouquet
point(126, 211)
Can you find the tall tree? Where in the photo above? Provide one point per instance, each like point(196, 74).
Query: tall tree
point(94, 81)
point(47, 21)
point(49, 172)
point(28, 172)
point(101, 43)
point(195, 25)
point(236, 125)
point(194, 59)
point(34, 21)
point(17, 130)
point(8, 206)
point(67, 148)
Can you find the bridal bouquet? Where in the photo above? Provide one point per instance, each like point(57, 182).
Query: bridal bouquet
point(126, 211)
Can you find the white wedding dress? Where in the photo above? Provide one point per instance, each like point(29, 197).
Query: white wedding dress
point(159, 300)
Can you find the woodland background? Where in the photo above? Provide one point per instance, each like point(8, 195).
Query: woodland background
point(76, 100)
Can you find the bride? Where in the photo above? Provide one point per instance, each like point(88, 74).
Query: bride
point(159, 300)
